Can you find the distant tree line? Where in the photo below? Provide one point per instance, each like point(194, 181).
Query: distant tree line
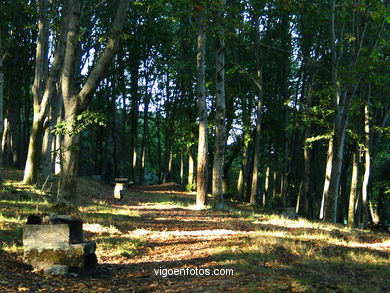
point(277, 103)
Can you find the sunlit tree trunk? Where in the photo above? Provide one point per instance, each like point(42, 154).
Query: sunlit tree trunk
point(77, 101)
point(190, 166)
point(354, 188)
point(266, 186)
point(35, 143)
point(181, 166)
point(367, 159)
point(220, 110)
point(201, 179)
point(328, 171)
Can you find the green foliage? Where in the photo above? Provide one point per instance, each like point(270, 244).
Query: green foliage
point(191, 187)
point(82, 121)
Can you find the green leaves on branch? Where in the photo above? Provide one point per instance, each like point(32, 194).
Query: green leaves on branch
point(312, 139)
point(82, 121)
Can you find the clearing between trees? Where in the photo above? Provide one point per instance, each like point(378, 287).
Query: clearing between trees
point(156, 229)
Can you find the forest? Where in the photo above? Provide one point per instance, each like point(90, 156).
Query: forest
point(276, 103)
point(252, 135)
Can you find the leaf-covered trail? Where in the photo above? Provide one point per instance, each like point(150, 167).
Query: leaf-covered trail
point(155, 230)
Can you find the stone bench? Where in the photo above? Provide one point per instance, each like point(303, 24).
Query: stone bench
point(58, 241)
point(120, 187)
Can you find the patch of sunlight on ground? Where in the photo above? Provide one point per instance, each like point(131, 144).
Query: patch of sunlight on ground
point(24, 202)
point(385, 245)
point(159, 206)
point(300, 223)
point(109, 210)
point(197, 233)
point(100, 229)
point(13, 247)
point(16, 219)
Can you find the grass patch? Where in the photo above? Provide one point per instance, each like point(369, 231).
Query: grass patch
point(120, 246)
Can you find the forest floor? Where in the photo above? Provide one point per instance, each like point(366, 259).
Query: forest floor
point(156, 229)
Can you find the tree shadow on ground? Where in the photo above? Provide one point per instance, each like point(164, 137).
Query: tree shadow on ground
point(252, 271)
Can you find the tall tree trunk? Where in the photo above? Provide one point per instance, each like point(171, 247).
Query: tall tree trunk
point(47, 151)
point(77, 101)
point(181, 166)
point(191, 165)
point(4, 140)
point(58, 137)
point(2, 56)
point(328, 171)
point(306, 149)
point(143, 142)
point(170, 164)
point(354, 187)
point(259, 83)
point(201, 179)
point(41, 106)
point(114, 133)
point(220, 110)
point(242, 183)
point(159, 150)
point(134, 119)
point(266, 186)
point(32, 163)
point(367, 159)
point(285, 162)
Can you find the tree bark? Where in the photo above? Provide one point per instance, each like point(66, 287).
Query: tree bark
point(33, 156)
point(220, 111)
point(144, 134)
point(260, 93)
point(77, 101)
point(354, 185)
point(202, 164)
point(367, 159)
point(2, 56)
point(191, 166)
point(41, 106)
point(134, 119)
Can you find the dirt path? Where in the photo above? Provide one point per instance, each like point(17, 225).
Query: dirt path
point(155, 241)
point(175, 238)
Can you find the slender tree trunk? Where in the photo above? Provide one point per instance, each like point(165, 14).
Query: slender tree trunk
point(114, 135)
point(220, 112)
point(58, 138)
point(367, 159)
point(181, 166)
point(328, 171)
point(354, 188)
point(35, 144)
point(47, 151)
point(266, 186)
point(4, 140)
point(285, 162)
point(2, 56)
point(159, 150)
point(143, 142)
point(134, 119)
point(259, 83)
point(191, 166)
point(202, 164)
point(306, 150)
point(170, 164)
